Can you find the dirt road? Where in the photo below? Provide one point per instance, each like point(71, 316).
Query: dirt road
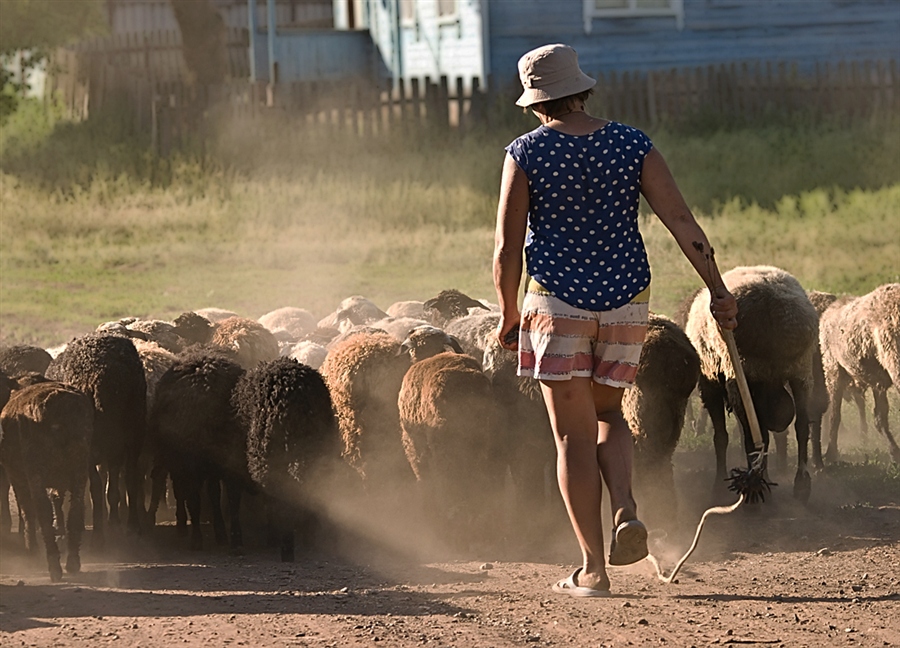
point(825, 574)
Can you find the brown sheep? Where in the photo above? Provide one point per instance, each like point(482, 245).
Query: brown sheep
point(364, 373)
point(249, 341)
point(777, 338)
point(447, 416)
point(860, 339)
point(47, 430)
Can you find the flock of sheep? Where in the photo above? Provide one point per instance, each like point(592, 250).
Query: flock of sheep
point(417, 402)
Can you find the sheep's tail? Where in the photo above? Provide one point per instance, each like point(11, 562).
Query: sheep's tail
point(718, 510)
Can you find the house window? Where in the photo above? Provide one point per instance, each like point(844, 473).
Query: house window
point(446, 8)
point(632, 9)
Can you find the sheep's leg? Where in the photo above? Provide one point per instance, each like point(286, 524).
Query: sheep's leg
point(5, 510)
point(740, 413)
point(713, 397)
point(214, 492)
point(781, 461)
point(233, 492)
point(881, 421)
point(98, 512)
point(839, 384)
point(75, 525)
point(134, 487)
point(113, 495)
point(815, 432)
point(43, 509)
point(179, 490)
point(59, 516)
point(859, 397)
point(193, 491)
point(802, 480)
point(157, 493)
point(26, 510)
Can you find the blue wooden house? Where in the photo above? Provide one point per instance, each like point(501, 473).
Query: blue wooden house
point(484, 38)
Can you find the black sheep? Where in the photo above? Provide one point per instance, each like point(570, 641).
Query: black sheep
point(292, 434)
point(197, 440)
point(47, 430)
point(108, 369)
point(22, 358)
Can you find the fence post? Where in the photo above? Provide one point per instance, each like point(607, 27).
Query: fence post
point(651, 98)
point(443, 100)
point(460, 105)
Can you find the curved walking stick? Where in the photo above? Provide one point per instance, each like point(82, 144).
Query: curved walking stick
point(751, 482)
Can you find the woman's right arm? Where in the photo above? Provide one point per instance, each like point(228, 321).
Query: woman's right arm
point(509, 241)
point(665, 199)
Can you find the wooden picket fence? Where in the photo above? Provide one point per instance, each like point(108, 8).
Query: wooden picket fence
point(144, 81)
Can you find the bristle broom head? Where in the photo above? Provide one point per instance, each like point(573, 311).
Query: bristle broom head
point(752, 483)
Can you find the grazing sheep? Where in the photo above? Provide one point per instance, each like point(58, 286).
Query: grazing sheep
point(215, 315)
point(450, 305)
point(23, 358)
point(292, 434)
point(860, 340)
point(777, 337)
point(296, 321)
point(353, 331)
point(364, 374)
point(525, 431)
point(353, 311)
point(197, 439)
point(156, 360)
point(447, 415)
point(5, 512)
point(654, 409)
point(425, 341)
point(45, 444)
point(398, 327)
point(308, 353)
point(109, 370)
point(14, 361)
point(413, 309)
point(321, 335)
point(162, 333)
point(819, 401)
point(476, 332)
point(250, 341)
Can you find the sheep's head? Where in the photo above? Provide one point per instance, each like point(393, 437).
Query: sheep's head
point(194, 328)
point(451, 304)
point(427, 341)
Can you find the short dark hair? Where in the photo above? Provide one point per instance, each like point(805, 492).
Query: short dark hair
point(555, 107)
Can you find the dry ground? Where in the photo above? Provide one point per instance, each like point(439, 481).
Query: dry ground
point(825, 574)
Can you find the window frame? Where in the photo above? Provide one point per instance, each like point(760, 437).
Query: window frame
point(446, 19)
point(675, 10)
point(412, 21)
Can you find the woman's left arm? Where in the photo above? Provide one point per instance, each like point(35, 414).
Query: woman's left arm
point(666, 201)
point(509, 241)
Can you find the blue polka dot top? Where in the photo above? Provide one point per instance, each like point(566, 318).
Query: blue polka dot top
point(583, 243)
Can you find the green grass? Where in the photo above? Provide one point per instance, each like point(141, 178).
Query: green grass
point(93, 227)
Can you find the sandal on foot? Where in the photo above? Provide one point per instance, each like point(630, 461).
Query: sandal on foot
point(629, 543)
point(571, 587)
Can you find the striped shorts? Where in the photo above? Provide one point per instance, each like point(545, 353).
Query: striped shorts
point(558, 341)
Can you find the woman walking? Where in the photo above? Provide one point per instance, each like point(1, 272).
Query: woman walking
point(569, 197)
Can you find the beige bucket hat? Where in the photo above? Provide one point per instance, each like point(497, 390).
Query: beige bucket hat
point(551, 72)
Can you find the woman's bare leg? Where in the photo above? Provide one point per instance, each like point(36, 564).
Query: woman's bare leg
point(573, 417)
point(615, 451)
